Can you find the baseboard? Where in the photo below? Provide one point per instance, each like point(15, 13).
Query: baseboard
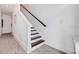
point(20, 43)
point(6, 33)
point(62, 52)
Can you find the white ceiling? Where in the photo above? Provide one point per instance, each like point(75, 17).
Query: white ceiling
point(7, 8)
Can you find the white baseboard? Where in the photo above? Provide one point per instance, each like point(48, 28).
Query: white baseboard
point(20, 42)
point(61, 50)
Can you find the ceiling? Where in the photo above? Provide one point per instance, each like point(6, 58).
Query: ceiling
point(7, 8)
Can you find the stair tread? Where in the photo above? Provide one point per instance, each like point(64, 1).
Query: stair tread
point(36, 37)
point(33, 30)
point(34, 33)
point(37, 42)
point(32, 27)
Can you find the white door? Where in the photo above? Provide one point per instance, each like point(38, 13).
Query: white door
point(6, 24)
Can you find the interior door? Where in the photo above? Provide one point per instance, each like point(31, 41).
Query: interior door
point(6, 24)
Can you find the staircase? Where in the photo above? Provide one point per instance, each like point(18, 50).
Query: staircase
point(36, 39)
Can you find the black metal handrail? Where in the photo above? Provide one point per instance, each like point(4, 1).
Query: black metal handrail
point(34, 16)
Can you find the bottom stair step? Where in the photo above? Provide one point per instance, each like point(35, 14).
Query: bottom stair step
point(37, 43)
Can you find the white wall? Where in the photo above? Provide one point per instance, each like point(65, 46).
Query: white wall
point(21, 33)
point(14, 17)
point(21, 29)
point(60, 21)
point(0, 22)
point(77, 23)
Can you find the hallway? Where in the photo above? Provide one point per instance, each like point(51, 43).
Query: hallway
point(8, 45)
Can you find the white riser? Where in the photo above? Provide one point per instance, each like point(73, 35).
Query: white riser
point(34, 32)
point(35, 40)
point(35, 35)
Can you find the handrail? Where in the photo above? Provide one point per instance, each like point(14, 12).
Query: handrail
point(34, 16)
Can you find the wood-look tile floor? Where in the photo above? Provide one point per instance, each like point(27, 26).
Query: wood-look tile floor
point(8, 45)
point(45, 49)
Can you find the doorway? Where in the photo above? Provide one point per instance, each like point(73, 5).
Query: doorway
point(6, 24)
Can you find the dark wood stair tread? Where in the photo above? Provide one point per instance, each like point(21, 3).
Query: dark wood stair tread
point(37, 43)
point(34, 33)
point(32, 27)
point(33, 30)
